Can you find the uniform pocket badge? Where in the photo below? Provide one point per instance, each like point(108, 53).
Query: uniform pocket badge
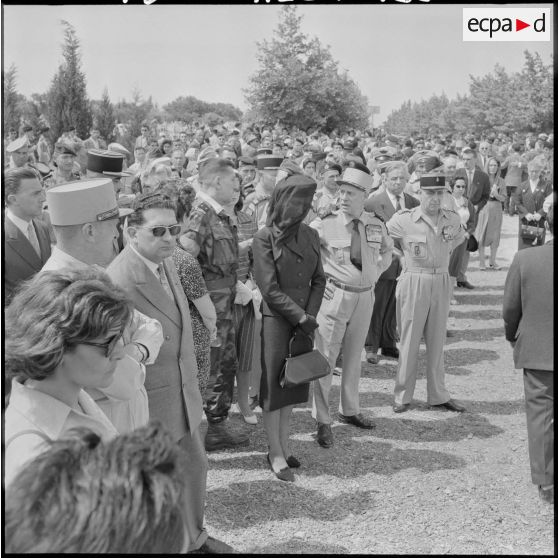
point(373, 233)
point(447, 233)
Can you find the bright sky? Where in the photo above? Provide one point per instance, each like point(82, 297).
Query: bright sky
point(394, 52)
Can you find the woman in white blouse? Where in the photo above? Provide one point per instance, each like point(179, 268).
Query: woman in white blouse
point(63, 334)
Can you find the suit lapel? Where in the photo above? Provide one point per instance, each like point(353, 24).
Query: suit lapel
point(44, 243)
point(387, 207)
point(152, 290)
point(19, 243)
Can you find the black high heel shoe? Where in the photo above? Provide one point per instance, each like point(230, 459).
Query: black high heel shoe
point(284, 474)
point(293, 462)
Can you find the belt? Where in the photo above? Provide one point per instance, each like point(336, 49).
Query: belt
point(427, 270)
point(223, 283)
point(348, 288)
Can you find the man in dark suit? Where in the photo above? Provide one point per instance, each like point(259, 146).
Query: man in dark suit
point(27, 242)
point(529, 327)
point(383, 325)
point(478, 192)
point(146, 271)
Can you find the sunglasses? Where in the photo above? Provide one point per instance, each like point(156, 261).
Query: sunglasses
point(108, 346)
point(160, 230)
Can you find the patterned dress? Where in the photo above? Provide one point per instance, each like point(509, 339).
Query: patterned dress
point(191, 278)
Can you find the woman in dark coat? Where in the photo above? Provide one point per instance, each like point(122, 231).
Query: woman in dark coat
point(289, 274)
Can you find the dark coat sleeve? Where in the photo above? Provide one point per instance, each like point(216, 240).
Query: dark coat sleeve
point(318, 281)
point(472, 222)
point(512, 309)
point(485, 193)
point(265, 274)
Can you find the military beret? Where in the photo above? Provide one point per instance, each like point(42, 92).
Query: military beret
point(28, 128)
point(246, 161)
point(333, 166)
point(62, 148)
point(349, 144)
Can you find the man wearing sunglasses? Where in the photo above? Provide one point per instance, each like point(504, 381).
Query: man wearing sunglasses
point(146, 272)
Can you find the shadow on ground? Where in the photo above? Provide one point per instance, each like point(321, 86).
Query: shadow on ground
point(475, 335)
point(298, 546)
point(473, 297)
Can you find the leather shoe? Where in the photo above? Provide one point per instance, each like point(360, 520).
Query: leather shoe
point(452, 405)
point(356, 420)
point(325, 435)
point(400, 407)
point(392, 352)
point(213, 546)
point(547, 495)
point(373, 358)
point(465, 285)
point(293, 462)
point(284, 474)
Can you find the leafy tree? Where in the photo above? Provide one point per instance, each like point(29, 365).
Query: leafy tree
point(103, 115)
point(68, 104)
point(190, 108)
point(299, 83)
point(11, 98)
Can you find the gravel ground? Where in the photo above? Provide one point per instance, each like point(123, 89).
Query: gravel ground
point(421, 482)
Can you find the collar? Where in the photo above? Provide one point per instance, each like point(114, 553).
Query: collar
point(153, 267)
point(62, 259)
point(534, 184)
point(46, 412)
point(20, 223)
point(393, 199)
point(214, 204)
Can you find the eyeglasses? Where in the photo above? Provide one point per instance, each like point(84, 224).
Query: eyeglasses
point(108, 346)
point(160, 230)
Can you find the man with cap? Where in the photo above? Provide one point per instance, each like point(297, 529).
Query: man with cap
point(106, 163)
point(63, 160)
point(205, 155)
point(355, 250)
point(251, 146)
point(383, 325)
point(213, 240)
point(257, 204)
point(379, 158)
point(26, 238)
point(18, 153)
point(426, 235)
point(248, 175)
point(421, 162)
point(326, 199)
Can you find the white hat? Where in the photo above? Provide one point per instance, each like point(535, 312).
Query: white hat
point(83, 201)
point(119, 148)
point(17, 144)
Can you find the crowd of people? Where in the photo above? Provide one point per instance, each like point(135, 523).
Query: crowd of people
point(141, 288)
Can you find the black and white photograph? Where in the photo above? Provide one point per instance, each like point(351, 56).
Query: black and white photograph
point(278, 278)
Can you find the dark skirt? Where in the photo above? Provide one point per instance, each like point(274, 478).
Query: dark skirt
point(276, 333)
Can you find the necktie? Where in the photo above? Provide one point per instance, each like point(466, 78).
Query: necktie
point(398, 204)
point(32, 237)
point(356, 255)
point(164, 280)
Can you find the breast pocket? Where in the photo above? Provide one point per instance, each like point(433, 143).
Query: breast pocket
point(341, 251)
point(223, 246)
point(417, 247)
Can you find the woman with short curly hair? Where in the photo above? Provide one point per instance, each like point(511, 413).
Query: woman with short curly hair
point(63, 334)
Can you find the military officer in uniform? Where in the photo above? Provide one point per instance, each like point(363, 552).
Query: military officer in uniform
point(213, 240)
point(426, 235)
point(64, 172)
point(18, 152)
point(356, 249)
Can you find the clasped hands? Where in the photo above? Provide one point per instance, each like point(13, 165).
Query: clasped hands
point(308, 324)
point(533, 217)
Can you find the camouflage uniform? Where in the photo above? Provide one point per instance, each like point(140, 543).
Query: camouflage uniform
point(218, 258)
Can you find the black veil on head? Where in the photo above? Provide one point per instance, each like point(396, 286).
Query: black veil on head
point(289, 205)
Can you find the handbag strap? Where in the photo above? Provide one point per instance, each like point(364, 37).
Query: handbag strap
point(293, 336)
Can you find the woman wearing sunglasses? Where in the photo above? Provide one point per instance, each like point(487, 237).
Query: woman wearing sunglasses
point(466, 212)
point(63, 334)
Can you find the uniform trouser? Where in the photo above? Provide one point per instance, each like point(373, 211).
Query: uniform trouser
point(223, 367)
point(194, 489)
point(343, 321)
point(383, 325)
point(539, 408)
point(464, 264)
point(422, 309)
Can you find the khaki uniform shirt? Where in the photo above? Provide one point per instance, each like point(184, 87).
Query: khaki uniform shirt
point(335, 232)
point(424, 245)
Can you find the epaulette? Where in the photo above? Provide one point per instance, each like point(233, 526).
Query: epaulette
point(374, 214)
point(407, 210)
point(449, 210)
point(202, 207)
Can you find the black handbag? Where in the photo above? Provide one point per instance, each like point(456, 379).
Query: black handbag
point(472, 244)
point(532, 233)
point(303, 368)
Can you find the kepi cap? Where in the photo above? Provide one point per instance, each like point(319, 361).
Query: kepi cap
point(268, 162)
point(106, 162)
point(433, 181)
point(356, 177)
point(17, 144)
point(83, 201)
point(246, 161)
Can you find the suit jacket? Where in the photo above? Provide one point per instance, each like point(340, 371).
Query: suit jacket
point(290, 277)
point(478, 191)
point(171, 382)
point(528, 309)
point(19, 256)
point(381, 205)
point(531, 202)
